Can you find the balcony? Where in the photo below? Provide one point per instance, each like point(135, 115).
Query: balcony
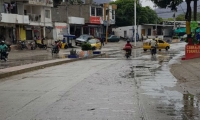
point(38, 2)
point(14, 18)
point(34, 17)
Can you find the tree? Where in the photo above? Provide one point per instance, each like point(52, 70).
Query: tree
point(168, 3)
point(125, 13)
point(181, 17)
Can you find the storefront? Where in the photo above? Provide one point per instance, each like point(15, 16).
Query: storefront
point(59, 30)
point(75, 24)
point(95, 27)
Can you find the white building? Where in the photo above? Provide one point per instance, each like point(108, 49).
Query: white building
point(147, 30)
point(25, 18)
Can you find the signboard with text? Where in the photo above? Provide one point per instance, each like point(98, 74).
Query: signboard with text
point(192, 51)
point(95, 19)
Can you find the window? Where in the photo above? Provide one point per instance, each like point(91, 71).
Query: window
point(160, 41)
point(113, 14)
point(99, 11)
point(47, 13)
point(92, 11)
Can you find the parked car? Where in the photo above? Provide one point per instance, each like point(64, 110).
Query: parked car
point(113, 38)
point(95, 43)
point(161, 45)
point(83, 38)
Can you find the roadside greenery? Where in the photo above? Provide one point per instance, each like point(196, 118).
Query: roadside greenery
point(181, 17)
point(125, 13)
point(86, 46)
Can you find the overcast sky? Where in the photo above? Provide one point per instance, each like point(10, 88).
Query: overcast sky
point(146, 3)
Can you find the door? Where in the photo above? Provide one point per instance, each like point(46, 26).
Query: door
point(143, 32)
point(149, 32)
point(161, 44)
point(98, 44)
point(29, 35)
point(125, 33)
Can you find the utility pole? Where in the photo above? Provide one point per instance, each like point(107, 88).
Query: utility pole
point(174, 19)
point(108, 22)
point(135, 21)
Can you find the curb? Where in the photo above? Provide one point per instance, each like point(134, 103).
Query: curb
point(36, 66)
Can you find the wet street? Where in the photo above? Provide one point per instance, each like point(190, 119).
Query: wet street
point(110, 87)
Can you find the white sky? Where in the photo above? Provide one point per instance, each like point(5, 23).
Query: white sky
point(146, 3)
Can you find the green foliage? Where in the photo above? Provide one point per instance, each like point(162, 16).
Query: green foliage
point(125, 13)
point(181, 17)
point(86, 46)
point(73, 52)
point(167, 3)
point(175, 37)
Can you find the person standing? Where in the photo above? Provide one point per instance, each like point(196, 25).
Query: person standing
point(198, 37)
point(102, 40)
point(142, 37)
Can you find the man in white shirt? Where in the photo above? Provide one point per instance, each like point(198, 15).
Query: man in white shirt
point(153, 46)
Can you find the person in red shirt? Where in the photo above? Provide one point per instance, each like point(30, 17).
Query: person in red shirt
point(128, 47)
point(128, 44)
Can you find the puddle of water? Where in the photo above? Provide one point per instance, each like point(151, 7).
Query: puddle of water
point(157, 84)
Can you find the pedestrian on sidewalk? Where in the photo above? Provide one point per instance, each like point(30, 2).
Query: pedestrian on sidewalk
point(102, 40)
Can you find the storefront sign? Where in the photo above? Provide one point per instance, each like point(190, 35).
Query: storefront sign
point(192, 51)
point(95, 20)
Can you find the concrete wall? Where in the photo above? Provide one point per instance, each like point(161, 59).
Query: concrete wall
point(59, 14)
point(120, 31)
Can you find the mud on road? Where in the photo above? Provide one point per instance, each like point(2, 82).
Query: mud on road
point(188, 74)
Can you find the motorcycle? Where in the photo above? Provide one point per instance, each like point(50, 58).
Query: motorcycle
point(127, 49)
point(4, 55)
point(153, 51)
point(42, 46)
point(54, 50)
point(23, 45)
point(128, 54)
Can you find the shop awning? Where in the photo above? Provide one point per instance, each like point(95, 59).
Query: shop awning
point(183, 30)
point(180, 30)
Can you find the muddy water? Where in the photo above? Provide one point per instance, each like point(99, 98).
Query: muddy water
point(159, 97)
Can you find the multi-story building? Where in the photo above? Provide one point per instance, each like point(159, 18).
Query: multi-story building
point(22, 19)
point(86, 18)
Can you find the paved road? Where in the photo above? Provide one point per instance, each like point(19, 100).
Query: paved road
point(106, 88)
point(22, 57)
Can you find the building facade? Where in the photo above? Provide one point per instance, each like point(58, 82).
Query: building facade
point(23, 19)
point(86, 18)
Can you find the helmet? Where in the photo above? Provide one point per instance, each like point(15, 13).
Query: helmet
point(128, 41)
point(2, 41)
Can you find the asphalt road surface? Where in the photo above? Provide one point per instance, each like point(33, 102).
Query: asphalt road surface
point(106, 88)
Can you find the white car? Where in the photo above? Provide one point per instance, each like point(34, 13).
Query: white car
point(83, 38)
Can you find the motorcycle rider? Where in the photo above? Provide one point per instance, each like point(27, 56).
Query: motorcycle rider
point(153, 44)
point(3, 49)
point(128, 44)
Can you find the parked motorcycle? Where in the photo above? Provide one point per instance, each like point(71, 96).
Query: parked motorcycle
point(23, 45)
point(42, 46)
